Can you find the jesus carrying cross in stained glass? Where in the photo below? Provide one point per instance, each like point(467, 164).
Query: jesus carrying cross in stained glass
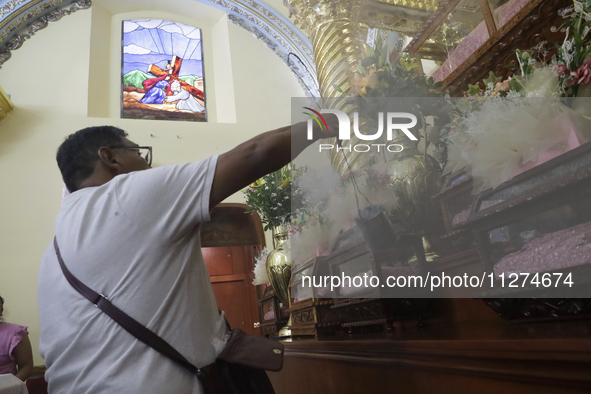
point(162, 71)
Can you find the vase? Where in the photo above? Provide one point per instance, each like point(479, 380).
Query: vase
point(414, 178)
point(279, 266)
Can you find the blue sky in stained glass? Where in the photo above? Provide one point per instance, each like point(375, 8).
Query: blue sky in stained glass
point(150, 41)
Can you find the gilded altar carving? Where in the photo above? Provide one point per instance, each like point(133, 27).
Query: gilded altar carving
point(268, 330)
point(5, 104)
point(429, 5)
point(336, 39)
point(401, 16)
point(303, 316)
point(351, 311)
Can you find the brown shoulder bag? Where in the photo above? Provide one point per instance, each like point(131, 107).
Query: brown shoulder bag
point(239, 369)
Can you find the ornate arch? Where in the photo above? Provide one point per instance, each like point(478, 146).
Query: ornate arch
point(21, 19)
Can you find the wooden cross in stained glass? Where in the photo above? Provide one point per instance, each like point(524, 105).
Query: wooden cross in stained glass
point(174, 74)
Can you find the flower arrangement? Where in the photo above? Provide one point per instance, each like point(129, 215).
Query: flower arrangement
point(383, 74)
point(482, 134)
point(270, 197)
point(573, 61)
point(567, 74)
point(483, 138)
point(388, 75)
point(260, 268)
point(385, 80)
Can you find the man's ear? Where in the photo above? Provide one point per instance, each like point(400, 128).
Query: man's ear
point(108, 158)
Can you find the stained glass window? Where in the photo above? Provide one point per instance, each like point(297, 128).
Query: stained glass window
point(162, 71)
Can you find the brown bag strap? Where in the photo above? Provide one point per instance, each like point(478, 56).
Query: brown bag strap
point(131, 325)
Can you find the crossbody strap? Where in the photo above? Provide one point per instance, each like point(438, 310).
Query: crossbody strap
point(124, 320)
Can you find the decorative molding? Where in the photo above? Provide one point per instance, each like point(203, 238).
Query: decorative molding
point(5, 104)
point(268, 330)
point(9, 7)
point(14, 35)
point(278, 34)
point(306, 78)
point(303, 316)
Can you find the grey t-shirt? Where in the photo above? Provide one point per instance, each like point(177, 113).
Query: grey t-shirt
point(136, 240)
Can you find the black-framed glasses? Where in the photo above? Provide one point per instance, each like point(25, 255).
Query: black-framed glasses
point(145, 152)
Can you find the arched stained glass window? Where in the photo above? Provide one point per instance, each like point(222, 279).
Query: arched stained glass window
point(162, 71)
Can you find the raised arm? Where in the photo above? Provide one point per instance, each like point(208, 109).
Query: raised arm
point(261, 155)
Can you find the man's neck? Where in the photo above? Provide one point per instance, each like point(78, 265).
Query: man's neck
point(95, 180)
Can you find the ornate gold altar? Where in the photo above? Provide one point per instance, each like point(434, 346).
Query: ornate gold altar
point(5, 104)
point(461, 40)
point(338, 31)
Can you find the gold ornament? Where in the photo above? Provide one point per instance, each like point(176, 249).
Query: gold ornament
point(279, 266)
point(335, 31)
point(414, 179)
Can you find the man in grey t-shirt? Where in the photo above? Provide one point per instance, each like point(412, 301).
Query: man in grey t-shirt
point(132, 234)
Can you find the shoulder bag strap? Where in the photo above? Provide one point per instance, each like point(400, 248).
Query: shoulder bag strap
point(124, 320)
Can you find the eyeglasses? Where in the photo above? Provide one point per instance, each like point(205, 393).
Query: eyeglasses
point(145, 152)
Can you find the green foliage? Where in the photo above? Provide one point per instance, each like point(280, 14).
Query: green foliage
point(338, 88)
point(473, 90)
point(270, 197)
point(515, 85)
point(190, 79)
point(383, 56)
point(492, 78)
point(135, 78)
point(577, 50)
point(432, 85)
point(368, 61)
point(397, 77)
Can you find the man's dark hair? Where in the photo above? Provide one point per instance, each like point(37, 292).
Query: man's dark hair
point(1, 301)
point(77, 155)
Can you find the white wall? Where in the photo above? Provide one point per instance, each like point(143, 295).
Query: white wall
point(48, 79)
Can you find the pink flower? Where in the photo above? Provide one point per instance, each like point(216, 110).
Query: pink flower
point(394, 56)
point(562, 70)
point(503, 86)
point(581, 76)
